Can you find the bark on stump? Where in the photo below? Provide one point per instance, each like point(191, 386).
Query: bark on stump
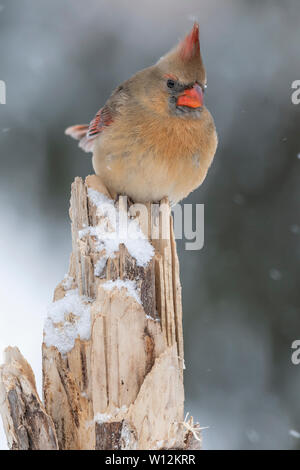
point(122, 386)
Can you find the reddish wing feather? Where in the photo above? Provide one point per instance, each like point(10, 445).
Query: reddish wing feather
point(102, 119)
point(87, 134)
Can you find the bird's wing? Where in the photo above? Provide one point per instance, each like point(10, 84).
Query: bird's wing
point(87, 134)
point(102, 120)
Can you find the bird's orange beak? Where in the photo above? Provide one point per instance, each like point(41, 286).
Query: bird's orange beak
point(191, 97)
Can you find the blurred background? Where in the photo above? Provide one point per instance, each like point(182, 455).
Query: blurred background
point(60, 60)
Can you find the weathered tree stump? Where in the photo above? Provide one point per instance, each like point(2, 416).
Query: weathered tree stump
point(113, 341)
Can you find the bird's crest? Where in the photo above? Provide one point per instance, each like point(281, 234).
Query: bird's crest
point(185, 59)
point(189, 47)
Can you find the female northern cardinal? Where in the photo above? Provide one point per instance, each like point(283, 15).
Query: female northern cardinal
point(154, 137)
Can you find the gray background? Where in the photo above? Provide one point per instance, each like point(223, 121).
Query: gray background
point(60, 60)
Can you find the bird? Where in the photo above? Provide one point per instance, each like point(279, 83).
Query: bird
point(154, 137)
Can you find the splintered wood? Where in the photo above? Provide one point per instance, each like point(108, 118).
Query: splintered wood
point(26, 423)
point(122, 387)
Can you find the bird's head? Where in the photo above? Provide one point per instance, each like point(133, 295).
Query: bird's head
point(176, 83)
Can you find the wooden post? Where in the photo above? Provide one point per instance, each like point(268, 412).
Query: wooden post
point(113, 343)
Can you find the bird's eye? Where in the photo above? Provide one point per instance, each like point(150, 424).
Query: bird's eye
point(170, 83)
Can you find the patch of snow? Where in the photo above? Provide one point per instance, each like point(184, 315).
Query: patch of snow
point(67, 319)
point(102, 418)
point(67, 282)
point(84, 232)
point(130, 286)
point(105, 417)
point(100, 265)
point(137, 244)
point(154, 319)
point(117, 228)
point(98, 199)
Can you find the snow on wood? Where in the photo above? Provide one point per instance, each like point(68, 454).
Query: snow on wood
point(67, 319)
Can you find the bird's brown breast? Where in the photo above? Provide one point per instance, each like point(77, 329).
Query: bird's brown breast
point(150, 157)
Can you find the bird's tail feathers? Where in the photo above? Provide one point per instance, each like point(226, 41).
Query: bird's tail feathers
point(80, 132)
point(77, 132)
